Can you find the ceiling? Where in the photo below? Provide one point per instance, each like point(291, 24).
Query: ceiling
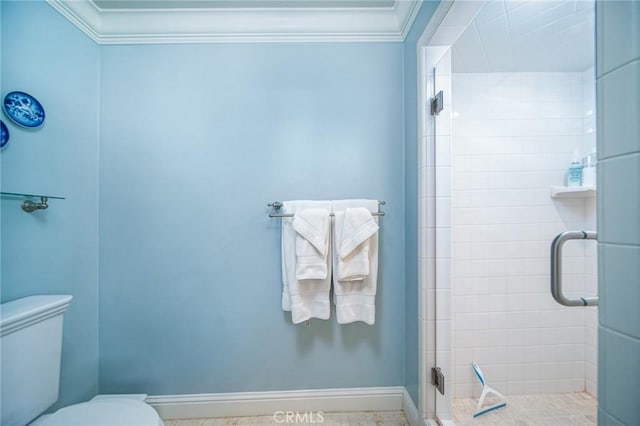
point(533, 36)
point(218, 4)
point(206, 21)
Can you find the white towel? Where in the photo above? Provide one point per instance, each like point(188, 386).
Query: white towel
point(312, 243)
point(305, 299)
point(354, 300)
point(357, 228)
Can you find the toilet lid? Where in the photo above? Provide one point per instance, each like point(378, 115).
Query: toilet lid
point(111, 412)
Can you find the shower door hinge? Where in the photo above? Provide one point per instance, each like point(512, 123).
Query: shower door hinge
point(437, 103)
point(437, 379)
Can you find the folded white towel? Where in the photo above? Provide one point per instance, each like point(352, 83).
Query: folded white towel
point(354, 300)
point(357, 228)
point(312, 243)
point(305, 299)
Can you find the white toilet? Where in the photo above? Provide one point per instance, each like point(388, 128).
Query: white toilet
point(31, 343)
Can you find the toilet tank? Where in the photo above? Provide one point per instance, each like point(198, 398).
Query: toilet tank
point(30, 350)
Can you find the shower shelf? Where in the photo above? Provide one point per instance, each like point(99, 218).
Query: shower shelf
point(573, 191)
point(28, 205)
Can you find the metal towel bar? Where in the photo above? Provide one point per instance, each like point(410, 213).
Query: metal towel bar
point(277, 205)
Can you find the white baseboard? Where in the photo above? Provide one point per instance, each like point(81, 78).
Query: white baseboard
point(410, 410)
point(267, 403)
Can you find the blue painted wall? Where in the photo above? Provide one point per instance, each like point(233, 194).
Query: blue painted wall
point(195, 141)
point(54, 251)
point(411, 376)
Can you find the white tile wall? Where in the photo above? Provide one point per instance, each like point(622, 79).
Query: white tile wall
point(513, 136)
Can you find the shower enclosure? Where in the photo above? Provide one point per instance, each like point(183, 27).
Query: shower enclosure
point(514, 105)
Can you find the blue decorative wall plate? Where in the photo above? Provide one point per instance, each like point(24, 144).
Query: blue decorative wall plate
point(4, 134)
point(23, 109)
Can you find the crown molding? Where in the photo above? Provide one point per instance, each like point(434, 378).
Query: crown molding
point(82, 14)
point(237, 25)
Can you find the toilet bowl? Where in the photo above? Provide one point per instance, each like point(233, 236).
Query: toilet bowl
point(103, 411)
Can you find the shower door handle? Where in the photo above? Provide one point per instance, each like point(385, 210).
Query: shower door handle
point(556, 268)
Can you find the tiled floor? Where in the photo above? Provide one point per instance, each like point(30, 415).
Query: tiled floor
point(371, 418)
point(539, 410)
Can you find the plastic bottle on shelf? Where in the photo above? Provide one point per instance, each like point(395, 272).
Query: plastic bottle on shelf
point(574, 177)
point(589, 170)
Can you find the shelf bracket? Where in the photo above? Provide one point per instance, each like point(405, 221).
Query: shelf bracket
point(31, 206)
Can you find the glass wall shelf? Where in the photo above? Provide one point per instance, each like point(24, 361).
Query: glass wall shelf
point(18, 194)
point(28, 205)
